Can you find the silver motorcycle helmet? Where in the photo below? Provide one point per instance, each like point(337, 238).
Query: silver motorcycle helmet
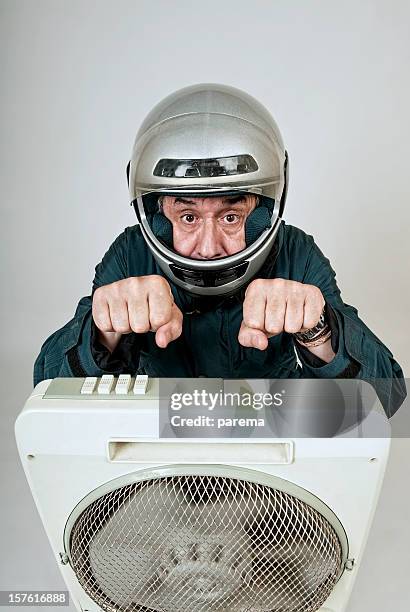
point(201, 141)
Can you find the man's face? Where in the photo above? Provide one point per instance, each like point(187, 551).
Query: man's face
point(208, 228)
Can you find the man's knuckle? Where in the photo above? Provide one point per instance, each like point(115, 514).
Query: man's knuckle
point(98, 294)
point(258, 283)
point(315, 293)
point(120, 325)
point(121, 329)
point(140, 327)
point(158, 319)
point(155, 280)
point(255, 287)
point(278, 288)
point(292, 328)
point(252, 321)
point(279, 282)
point(99, 314)
point(296, 290)
point(274, 328)
point(131, 281)
point(113, 295)
point(102, 323)
point(129, 286)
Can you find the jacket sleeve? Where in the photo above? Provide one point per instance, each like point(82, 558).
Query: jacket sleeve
point(357, 344)
point(67, 352)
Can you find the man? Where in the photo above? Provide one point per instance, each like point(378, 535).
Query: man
point(211, 282)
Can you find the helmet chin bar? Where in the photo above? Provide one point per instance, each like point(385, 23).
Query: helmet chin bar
point(212, 278)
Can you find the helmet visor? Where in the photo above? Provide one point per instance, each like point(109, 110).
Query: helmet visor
point(203, 226)
point(206, 168)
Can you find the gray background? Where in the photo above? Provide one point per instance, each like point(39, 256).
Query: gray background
point(77, 78)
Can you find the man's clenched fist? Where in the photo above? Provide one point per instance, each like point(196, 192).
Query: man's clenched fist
point(136, 304)
point(272, 306)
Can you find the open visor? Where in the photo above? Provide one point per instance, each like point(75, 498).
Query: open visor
point(214, 276)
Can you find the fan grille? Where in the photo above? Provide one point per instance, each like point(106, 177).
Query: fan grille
point(204, 544)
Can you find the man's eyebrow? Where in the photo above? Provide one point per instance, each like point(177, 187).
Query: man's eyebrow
point(234, 199)
point(184, 201)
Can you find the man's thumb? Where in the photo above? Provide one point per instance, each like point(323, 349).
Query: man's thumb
point(171, 330)
point(253, 338)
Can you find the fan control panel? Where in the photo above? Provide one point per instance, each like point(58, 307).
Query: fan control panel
point(95, 387)
point(120, 386)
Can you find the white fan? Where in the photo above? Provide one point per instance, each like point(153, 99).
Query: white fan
point(141, 523)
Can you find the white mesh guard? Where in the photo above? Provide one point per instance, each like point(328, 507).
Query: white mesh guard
point(204, 544)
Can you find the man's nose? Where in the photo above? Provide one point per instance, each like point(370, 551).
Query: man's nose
point(209, 245)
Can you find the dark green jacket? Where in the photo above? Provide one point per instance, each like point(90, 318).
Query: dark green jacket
point(209, 343)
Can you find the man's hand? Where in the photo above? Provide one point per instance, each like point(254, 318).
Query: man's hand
point(272, 306)
point(137, 304)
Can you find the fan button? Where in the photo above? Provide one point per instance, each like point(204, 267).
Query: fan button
point(123, 384)
point(89, 385)
point(106, 384)
point(140, 385)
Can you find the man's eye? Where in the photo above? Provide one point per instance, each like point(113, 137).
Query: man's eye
point(188, 218)
point(231, 218)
